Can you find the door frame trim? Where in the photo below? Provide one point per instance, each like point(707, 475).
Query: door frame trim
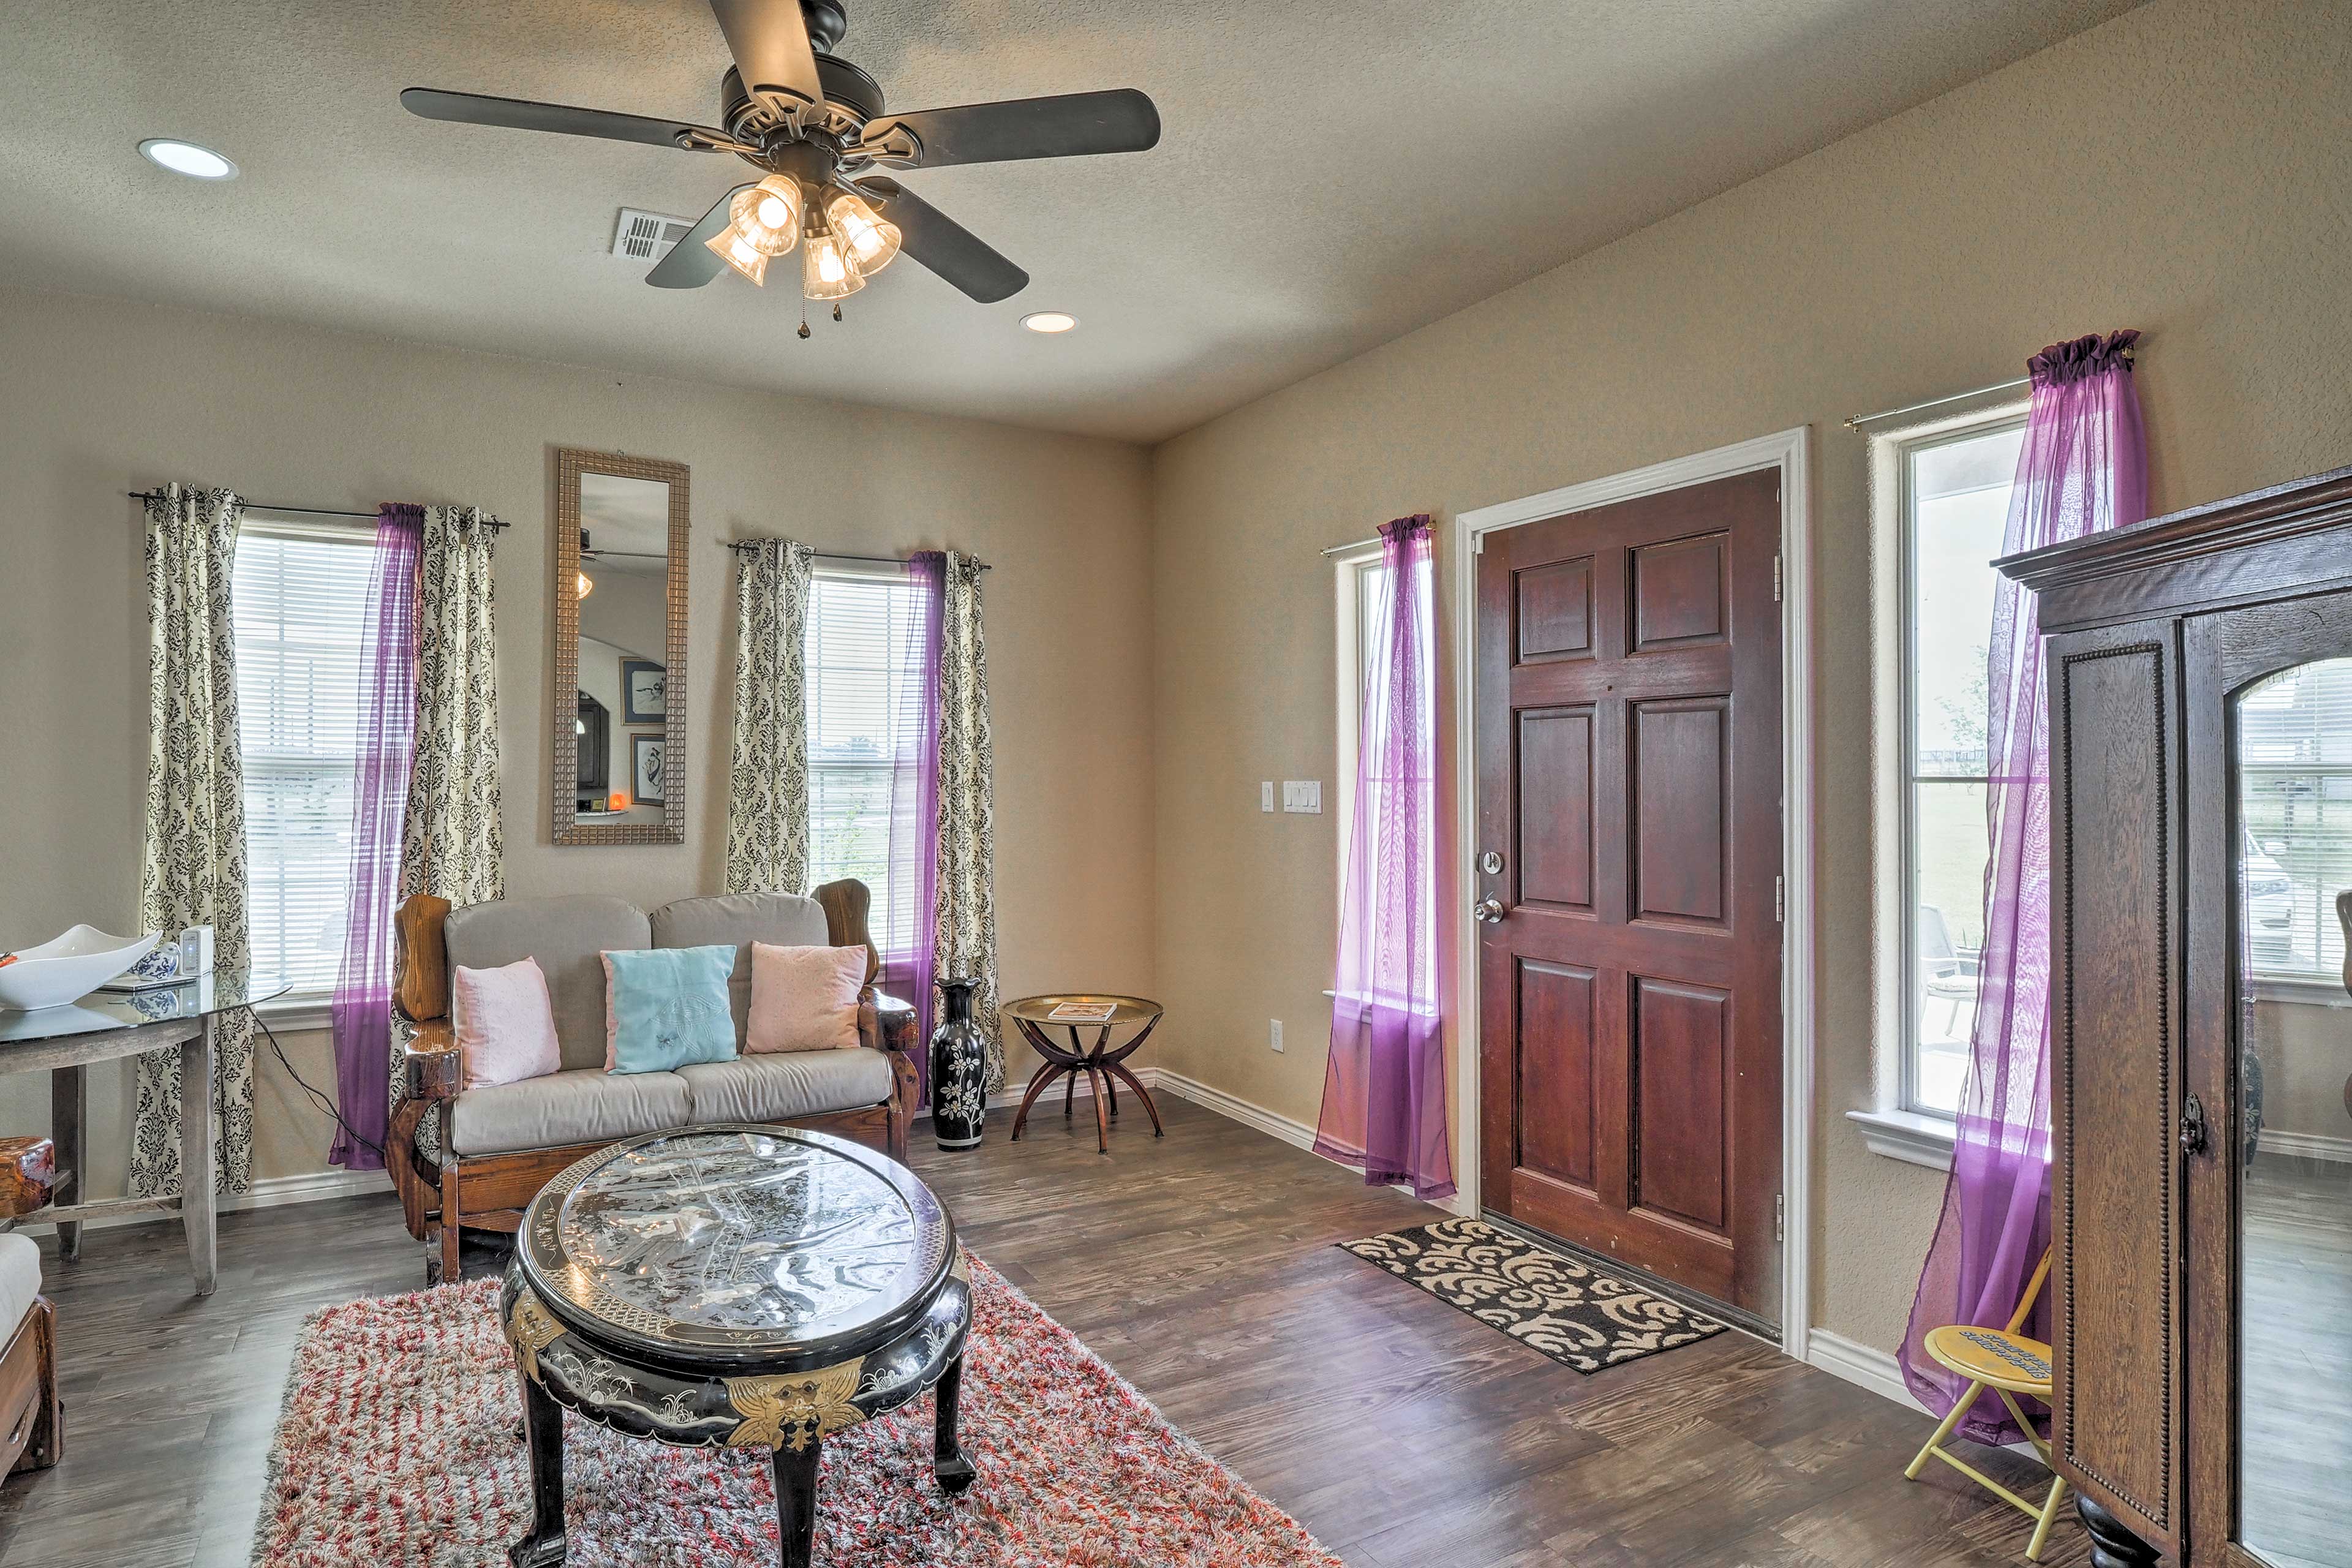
point(1790, 452)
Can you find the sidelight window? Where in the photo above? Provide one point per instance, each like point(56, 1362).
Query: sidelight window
point(1952, 489)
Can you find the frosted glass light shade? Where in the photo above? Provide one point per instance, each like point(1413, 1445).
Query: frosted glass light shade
point(871, 240)
point(768, 216)
point(730, 246)
point(828, 269)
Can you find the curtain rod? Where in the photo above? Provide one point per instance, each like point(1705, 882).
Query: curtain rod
point(1859, 420)
point(1358, 544)
point(305, 511)
point(739, 545)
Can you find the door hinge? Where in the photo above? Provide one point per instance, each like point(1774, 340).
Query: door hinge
point(1780, 898)
point(1780, 1216)
point(1775, 579)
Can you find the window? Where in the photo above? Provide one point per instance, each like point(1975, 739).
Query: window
point(1364, 602)
point(299, 599)
point(2295, 820)
point(1953, 488)
point(859, 651)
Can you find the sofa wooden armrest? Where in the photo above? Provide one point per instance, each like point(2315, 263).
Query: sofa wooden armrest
point(429, 1061)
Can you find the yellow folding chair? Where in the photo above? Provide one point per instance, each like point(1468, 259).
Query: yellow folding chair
point(2009, 1363)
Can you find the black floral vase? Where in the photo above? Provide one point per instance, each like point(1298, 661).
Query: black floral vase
point(958, 1070)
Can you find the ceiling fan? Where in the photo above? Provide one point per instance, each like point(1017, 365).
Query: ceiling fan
point(813, 124)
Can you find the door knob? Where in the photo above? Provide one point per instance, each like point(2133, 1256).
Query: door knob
point(1488, 912)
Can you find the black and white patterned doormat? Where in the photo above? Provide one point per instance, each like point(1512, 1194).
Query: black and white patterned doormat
point(1578, 1316)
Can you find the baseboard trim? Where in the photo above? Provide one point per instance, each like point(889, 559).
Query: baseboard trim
point(2309, 1145)
point(1233, 1108)
point(1865, 1366)
point(269, 1193)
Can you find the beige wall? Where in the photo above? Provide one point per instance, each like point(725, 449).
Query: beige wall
point(103, 397)
point(2181, 170)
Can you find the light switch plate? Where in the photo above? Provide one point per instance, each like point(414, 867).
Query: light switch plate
point(1273, 1033)
point(1266, 795)
point(1302, 795)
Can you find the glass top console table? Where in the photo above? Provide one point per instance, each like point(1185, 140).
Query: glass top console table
point(108, 1026)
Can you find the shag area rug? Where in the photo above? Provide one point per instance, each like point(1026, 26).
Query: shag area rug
point(397, 1445)
point(1578, 1316)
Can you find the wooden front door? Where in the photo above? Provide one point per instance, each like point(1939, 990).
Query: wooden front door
point(1629, 795)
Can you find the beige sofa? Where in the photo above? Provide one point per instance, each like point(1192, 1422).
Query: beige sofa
point(475, 1157)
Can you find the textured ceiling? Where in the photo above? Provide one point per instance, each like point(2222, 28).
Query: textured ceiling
point(1332, 173)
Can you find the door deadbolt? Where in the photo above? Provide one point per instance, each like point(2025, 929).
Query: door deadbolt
point(1491, 862)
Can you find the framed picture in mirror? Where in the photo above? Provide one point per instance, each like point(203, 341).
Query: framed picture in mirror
point(620, 635)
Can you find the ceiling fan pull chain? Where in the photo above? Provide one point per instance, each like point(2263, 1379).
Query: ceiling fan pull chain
point(837, 311)
point(805, 332)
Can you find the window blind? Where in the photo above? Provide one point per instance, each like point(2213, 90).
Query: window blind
point(299, 607)
point(858, 653)
point(2295, 759)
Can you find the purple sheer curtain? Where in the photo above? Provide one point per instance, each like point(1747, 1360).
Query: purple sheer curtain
point(1384, 1086)
point(909, 896)
point(387, 728)
point(2084, 467)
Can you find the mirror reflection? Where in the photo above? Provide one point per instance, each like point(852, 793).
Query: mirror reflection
point(2295, 1352)
point(622, 585)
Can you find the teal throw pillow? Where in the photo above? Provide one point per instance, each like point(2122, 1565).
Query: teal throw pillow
point(668, 1007)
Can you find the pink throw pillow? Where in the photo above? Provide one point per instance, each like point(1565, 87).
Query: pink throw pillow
point(804, 998)
point(506, 1025)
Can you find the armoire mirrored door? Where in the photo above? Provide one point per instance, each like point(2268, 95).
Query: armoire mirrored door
point(2291, 778)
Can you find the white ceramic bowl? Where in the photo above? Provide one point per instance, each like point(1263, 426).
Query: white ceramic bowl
point(69, 966)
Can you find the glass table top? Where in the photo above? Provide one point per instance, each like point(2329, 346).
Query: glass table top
point(219, 992)
point(739, 1237)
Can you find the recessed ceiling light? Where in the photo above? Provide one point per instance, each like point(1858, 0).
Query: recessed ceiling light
point(186, 158)
point(1049, 322)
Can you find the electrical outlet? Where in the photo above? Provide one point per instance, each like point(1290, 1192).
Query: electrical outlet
point(1266, 795)
point(1273, 1033)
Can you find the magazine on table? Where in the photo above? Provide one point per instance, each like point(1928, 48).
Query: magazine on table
point(1083, 1013)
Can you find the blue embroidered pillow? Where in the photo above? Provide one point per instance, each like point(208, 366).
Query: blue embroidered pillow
point(668, 1007)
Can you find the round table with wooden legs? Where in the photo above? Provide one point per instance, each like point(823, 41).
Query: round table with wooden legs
point(1101, 1063)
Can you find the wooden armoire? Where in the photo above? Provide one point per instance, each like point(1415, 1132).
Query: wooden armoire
point(2199, 674)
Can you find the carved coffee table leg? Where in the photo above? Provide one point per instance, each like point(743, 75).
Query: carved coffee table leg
point(2111, 1545)
point(1141, 1093)
point(796, 1502)
point(543, 1435)
point(68, 1098)
point(955, 1471)
point(1037, 1082)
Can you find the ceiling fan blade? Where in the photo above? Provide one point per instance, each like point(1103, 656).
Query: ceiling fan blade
point(522, 114)
point(690, 264)
point(945, 245)
point(1070, 126)
point(769, 41)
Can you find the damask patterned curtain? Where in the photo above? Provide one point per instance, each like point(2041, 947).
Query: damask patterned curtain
point(964, 928)
point(767, 776)
point(192, 868)
point(450, 844)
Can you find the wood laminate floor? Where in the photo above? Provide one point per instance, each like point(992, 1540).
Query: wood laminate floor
point(1201, 1267)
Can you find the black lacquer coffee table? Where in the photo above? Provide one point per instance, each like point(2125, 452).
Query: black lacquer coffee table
point(734, 1286)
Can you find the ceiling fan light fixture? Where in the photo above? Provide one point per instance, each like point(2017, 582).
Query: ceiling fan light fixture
point(586, 584)
point(730, 246)
point(872, 240)
point(828, 272)
point(767, 216)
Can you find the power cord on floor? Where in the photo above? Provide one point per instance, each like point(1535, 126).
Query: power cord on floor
point(322, 1100)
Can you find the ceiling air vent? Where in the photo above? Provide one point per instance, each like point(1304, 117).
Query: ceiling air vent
point(647, 236)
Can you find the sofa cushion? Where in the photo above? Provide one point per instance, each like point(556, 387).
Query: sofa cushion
point(506, 1029)
point(785, 1087)
point(666, 1007)
point(20, 1279)
point(567, 936)
point(781, 920)
point(583, 1105)
point(804, 998)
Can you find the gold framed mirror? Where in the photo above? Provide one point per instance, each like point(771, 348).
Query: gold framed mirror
point(619, 692)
